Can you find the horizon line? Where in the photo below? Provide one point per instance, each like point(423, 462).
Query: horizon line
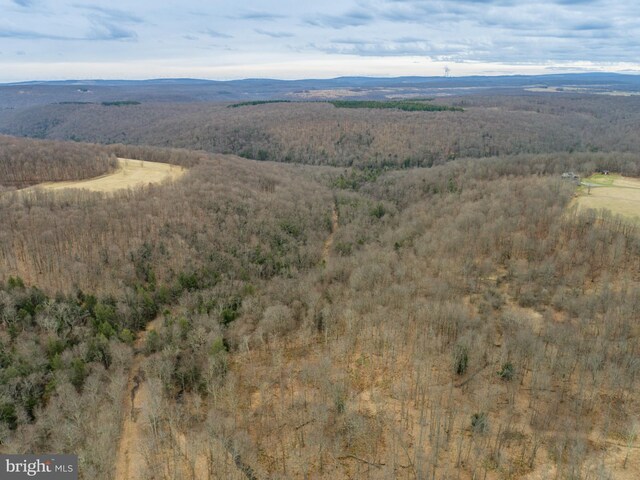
point(376, 77)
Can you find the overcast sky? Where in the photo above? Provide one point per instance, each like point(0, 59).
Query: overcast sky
point(61, 39)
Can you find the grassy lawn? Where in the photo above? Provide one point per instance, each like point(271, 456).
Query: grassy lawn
point(620, 195)
point(601, 179)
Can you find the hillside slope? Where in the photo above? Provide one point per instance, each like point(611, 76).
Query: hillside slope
point(321, 134)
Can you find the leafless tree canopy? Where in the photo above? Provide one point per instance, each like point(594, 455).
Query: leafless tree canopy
point(318, 133)
point(278, 320)
point(28, 162)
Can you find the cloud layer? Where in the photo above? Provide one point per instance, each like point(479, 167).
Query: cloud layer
point(205, 38)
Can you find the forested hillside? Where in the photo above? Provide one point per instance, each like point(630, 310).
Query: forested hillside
point(341, 315)
point(83, 273)
point(27, 162)
point(321, 134)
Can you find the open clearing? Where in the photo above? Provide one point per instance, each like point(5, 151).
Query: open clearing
point(619, 194)
point(567, 89)
point(130, 174)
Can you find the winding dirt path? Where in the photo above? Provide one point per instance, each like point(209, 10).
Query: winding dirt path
point(130, 460)
point(328, 243)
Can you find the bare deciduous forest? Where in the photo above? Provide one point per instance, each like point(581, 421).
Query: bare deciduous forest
point(319, 133)
point(25, 162)
point(404, 295)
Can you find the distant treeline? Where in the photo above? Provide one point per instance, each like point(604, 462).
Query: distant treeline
point(120, 103)
point(406, 105)
point(174, 156)
point(256, 102)
point(317, 133)
point(414, 105)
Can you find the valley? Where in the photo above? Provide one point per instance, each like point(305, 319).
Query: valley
point(295, 290)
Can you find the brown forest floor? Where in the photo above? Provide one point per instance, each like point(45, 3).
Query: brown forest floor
point(130, 460)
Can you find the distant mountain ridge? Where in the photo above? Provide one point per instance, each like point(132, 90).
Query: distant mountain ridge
point(192, 90)
point(472, 80)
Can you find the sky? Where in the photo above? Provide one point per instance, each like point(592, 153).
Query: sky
point(221, 40)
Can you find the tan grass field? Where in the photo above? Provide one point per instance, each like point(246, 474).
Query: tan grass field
point(329, 94)
point(613, 93)
point(130, 174)
point(620, 195)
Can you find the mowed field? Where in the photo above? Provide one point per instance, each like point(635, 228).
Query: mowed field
point(620, 195)
point(130, 174)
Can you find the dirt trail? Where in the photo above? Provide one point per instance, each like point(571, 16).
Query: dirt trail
point(328, 243)
point(130, 173)
point(130, 460)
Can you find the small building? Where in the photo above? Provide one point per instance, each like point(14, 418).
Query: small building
point(570, 176)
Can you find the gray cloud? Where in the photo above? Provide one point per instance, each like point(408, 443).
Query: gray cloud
point(433, 49)
point(273, 34)
point(353, 18)
point(105, 25)
point(409, 39)
point(106, 30)
point(575, 2)
point(215, 34)
point(30, 35)
point(111, 14)
point(491, 30)
point(25, 3)
point(109, 23)
point(544, 33)
point(257, 15)
point(592, 25)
